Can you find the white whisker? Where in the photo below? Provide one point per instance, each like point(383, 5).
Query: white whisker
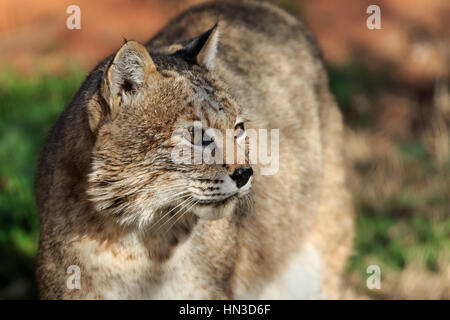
point(181, 215)
point(167, 213)
point(188, 200)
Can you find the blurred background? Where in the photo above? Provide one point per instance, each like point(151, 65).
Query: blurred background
point(392, 86)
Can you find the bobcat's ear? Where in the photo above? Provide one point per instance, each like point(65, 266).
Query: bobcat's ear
point(203, 50)
point(126, 77)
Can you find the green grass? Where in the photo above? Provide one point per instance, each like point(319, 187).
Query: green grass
point(356, 79)
point(411, 226)
point(393, 240)
point(28, 108)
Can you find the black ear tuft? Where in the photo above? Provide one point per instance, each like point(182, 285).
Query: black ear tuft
point(194, 47)
point(202, 50)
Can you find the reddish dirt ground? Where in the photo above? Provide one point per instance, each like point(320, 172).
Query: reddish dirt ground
point(33, 34)
point(413, 42)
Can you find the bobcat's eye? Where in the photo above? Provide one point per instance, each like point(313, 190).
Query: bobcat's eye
point(198, 137)
point(239, 130)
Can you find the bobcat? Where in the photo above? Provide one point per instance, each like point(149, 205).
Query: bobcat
point(138, 225)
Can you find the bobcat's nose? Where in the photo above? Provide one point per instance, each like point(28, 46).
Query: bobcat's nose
point(241, 175)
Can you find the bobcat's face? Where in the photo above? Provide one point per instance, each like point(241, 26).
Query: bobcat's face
point(152, 111)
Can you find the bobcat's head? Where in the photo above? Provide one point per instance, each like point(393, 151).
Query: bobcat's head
point(145, 108)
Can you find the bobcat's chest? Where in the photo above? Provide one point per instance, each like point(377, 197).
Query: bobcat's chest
point(300, 278)
point(129, 270)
